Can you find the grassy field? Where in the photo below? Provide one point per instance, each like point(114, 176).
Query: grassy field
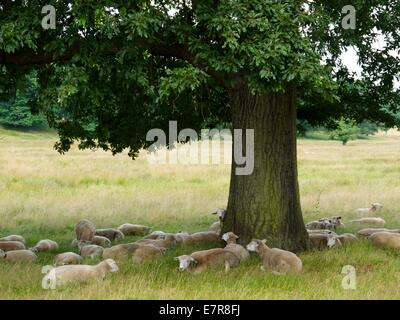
point(44, 194)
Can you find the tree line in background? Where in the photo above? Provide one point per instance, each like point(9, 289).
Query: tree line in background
point(17, 113)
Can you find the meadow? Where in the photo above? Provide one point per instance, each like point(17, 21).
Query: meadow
point(44, 194)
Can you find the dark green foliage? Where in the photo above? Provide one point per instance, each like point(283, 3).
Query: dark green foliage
point(15, 111)
point(116, 69)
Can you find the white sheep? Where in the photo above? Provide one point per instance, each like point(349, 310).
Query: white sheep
point(80, 273)
point(347, 238)
point(325, 231)
point(18, 255)
point(85, 230)
point(45, 245)
point(90, 250)
point(376, 221)
point(324, 240)
point(276, 260)
point(133, 229)
point(366, 232)
point(374, 207)
point(168, 241)
point(156, 235)
point(67, 258)
point(231, 245)
point(110, 233)
point(217, 226)
point(14, 237)
point(386, 239)
point(201, 237)
point(11, 245)
point(208, 258)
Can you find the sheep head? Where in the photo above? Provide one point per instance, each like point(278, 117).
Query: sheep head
point(2, 254)
point(185, 261)
point(228, 236)
point(112, 265)
point(255, 244)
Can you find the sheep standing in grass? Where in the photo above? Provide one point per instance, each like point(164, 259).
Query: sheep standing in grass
point(45, 245)
point(85, 230)
point(18, 255)
point(276, 260)
point(11, 245)
point(66, 258)
point(110, 233)
point(14, 238)
point(208, 258)
point(386, 239)
point(231, 245)
point(133, 229)
point(374, 208)
point(375, 221)
point(80, 273)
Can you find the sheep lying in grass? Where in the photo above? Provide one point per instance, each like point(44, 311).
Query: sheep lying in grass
point(80, 273)
point(147, 252)
point(376, 221)
point(386, 239)
point(45, 245)
point(85, 230)
point(324, 240)
point(366, 232)
point(323, 231)
point(346, 238)
point(97, 240)
point(276, 260)
point(138, 252)
point(14, 238)
point(217, 226)
point(120, 250)
point(231, 245)
point(330, 223)
point(133, 229)
point(201, 237)
point(18, 255)
point(167, 242)
point(91, 251)
point(11, 245)
point(156, 235)
point(110, 233)
point(101, 241)
point(374, 207)
point(208, 258)
point(66, 258)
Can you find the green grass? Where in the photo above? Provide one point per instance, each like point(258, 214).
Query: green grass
point(44, 194)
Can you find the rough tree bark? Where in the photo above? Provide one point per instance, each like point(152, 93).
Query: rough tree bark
point(266, 204)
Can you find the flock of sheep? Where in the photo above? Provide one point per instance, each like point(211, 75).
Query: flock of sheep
point(95, 243)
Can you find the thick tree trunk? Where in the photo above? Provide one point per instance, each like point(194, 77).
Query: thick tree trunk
point(266, 204)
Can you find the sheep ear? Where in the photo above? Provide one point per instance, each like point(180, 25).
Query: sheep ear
point(264, 241)
point(237, 237)
point(176, 258)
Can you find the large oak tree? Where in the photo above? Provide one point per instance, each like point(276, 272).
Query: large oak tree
point(112, 70)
